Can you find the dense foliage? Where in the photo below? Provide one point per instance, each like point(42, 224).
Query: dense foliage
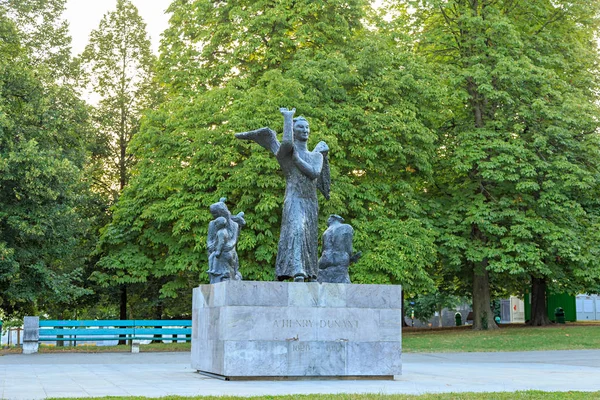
point(363, 92)
point(518, 160)
point(44, 228)
point(463, 136)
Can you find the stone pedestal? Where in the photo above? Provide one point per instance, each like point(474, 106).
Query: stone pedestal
point(246, 330)
point(31, 335)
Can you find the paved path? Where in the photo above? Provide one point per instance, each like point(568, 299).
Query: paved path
point(39, 376)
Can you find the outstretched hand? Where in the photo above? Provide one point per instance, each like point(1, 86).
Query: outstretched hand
point(287, 112)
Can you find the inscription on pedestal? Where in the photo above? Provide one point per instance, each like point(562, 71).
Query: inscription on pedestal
point(323, 323)
point(334, 347)
point(301, 347)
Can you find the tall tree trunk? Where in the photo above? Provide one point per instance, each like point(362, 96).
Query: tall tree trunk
point(403, 313)
point(123, 307)
point(483, 318)
point(539, 313)
point(60, 343)
point(123, 303)
point(158, 312)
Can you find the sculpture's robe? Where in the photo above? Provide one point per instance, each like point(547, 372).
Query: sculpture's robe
point(297, 251)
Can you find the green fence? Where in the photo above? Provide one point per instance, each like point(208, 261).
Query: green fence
point(566, 301)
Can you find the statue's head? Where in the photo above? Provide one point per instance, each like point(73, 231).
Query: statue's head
point(220, 222)
point(333, 218)
point(301, 129)
point(219, 209)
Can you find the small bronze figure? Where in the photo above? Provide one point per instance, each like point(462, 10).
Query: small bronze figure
point(337, 251)
point(223, 235)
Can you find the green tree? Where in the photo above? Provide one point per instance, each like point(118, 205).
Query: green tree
point(518, 159)
point(42, 155)
point(118, 65)
point(44, 35)
point(227, 68)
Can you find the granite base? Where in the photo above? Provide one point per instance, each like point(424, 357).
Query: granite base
point(245, 330)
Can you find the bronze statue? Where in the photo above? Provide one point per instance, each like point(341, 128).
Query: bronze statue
point(304, 172)
point(337, 251)
point(223, 235)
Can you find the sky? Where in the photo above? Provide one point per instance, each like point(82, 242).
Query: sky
point(85, 15)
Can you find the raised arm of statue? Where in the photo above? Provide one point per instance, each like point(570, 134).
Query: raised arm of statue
point(287, 143)
point(324, 178)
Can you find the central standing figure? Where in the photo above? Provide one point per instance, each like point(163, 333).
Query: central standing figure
point(304, 172)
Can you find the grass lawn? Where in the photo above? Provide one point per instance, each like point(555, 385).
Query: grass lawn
point(529, 395)
point(507, 338)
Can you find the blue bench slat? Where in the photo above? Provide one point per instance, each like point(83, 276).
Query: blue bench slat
point(163, 322)
point(95, 330)
point(163, 331)
point(98, 339)
point(116, 331)
point(129, 322)
point(73, 323)
point(81, 339)
point(89, 332)
point(95, 339)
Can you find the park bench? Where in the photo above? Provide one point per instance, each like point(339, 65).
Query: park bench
point(37, 331)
